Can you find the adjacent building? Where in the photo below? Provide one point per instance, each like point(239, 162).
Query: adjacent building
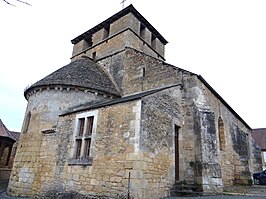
point(118, 121)
point(259, 135)
point(8, 145)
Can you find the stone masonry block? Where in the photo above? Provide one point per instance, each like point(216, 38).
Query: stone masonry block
point(134, 156)
point(94, 182)
point(116, 179)
point(134, 174)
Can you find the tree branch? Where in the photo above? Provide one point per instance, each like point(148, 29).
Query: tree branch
point(17, 1)
point(24, 2)
point(8, 3)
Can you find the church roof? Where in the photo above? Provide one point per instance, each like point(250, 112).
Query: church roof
point(82, 73)
point(103, 103)
point(125, 11)
point(4, 132)
point(259, 135)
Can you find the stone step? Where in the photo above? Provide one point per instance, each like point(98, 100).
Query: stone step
point(185, 189)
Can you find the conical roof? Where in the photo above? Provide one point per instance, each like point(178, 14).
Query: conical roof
point(4, 132)
point(83, 73)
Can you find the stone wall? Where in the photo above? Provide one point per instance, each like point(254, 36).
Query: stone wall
point(207, 167)
point(124, 32)
point(4, 174)
point(35, 153)
point(4, 157)
point(257, 160)
point(5, 170)
point(115, 44)
point(114, 158)
point(159, 115)
point(114, 147)
point(113, 66)
point(133, 150)
point(235, 159)
point(127, 69)
point(157, 73)
point(199, 98)
point(107, 47)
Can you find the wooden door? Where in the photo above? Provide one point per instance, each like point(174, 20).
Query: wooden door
point(177, 153)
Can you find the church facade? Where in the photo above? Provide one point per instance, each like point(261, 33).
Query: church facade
point(120, 122)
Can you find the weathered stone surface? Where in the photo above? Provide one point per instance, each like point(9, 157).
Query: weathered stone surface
point(167, 118)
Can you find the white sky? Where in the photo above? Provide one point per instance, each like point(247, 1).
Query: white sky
point(222, 40)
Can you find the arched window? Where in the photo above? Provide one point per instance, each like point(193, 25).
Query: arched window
point(27, 122)
point(221, 133)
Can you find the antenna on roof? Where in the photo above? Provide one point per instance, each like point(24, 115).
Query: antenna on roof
point(123, 3)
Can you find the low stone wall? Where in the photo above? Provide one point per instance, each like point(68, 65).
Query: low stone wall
point(4, 173)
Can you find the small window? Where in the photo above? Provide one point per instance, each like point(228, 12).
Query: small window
point(94, 56)
point(153, 41)
point(142, 31)
point(221, 133)
point(106, 31)
point(143, 72)
point(82, 150)
point(27, 122)
point(84, 136)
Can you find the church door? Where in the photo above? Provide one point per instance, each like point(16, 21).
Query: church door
point(176, 153)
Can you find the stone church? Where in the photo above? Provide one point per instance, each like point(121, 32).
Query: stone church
point(120, 122)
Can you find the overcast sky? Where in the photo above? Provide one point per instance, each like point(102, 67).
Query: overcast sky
point(224, 41)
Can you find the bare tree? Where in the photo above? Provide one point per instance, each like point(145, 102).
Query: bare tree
point(7, 1)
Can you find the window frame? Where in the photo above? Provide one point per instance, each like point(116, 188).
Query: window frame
point(80, 153)
point(222, 136)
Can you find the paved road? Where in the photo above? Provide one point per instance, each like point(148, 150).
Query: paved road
point(4, 196)
point(3, 186)
point(220, 197)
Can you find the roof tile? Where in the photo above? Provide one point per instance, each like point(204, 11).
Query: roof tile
point(83, 73)
point(259, 135)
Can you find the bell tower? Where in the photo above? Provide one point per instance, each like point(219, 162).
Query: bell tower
point(127, 28)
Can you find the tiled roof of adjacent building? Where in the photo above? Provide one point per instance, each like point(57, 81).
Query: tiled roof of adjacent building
point(129, 9)
point(259, 135)
point(82, 73)
point(15, 134)
point(4, 132)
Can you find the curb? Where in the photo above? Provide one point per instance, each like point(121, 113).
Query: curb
point(243, 194)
